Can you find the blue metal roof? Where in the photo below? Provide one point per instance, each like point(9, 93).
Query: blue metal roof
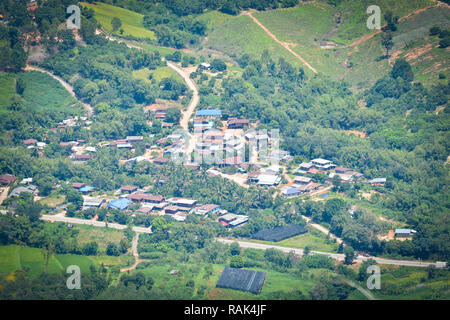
point(208, 112)
point(86, 189)
point(119, 204)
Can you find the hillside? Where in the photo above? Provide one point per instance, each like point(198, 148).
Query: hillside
point(336, 41)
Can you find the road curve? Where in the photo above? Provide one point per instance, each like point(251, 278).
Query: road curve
point(337, 256)
point(93, 223)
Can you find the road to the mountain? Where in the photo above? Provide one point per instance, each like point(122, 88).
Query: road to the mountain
point(283, 44)
point(65, 84)
point(337, 256)
point(95, 223)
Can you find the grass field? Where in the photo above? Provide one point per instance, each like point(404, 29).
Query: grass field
point(230, 39)
point(42, 93)
point(158, 74)
point(354, 16)
point(131, 21)
point(275, 281)
point(101, 235)
point(314, 239)
point(13, 257)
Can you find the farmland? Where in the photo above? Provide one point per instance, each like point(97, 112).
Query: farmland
point(131, 21)
point(14, 257)
point(41, 93)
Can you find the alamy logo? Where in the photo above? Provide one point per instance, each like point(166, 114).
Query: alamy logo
point(74, 281)
point(374, 281)
point(374, 21)
point(74, 21)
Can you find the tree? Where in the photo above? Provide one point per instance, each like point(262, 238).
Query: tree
point(218, 65)
point(386, 41)
point(349, 254)
point(116, 23)
point(123, 245)
point(235, 249)
point(306, 251)
point(237, 262)
point(20, 86)
point(173, 115)
point(402, 69)
point(112, 250)
point(90, 248)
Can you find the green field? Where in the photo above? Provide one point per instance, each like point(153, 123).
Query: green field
point(158, 74)
point(100, 235)
point(13, 257)
point(42, 93)
point(131, 21)
point(354, 16)
point(275, 281)
point(230, 39)
point(313, 239)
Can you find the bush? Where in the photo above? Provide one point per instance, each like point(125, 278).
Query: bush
point(151, 255)
point(236, 262)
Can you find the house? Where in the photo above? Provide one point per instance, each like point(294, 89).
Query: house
point(7, 179)
point(273, 169)
point(342, 170)
point(209, 113)
point(268, 179)
point(378, 182)
point(26, 181)
point(171, 209)
point(234, 123)
point(282, 156)
point(302, 180)
point(323, 164)
point(167, 125)
point(343, 176)
point(179, 216)
point(29, 142)
point(161, 161)
point(305, 166)
point(231, 220)
point(134, 139)
point(78, 185)
point(207, 209)
point(119, 204)
point(92, 203)
point(90, 149)
point(86, 189)
point(124, 146)
point(144, 210)
point(288, 192)
point(205, 66)
point(128, 189)
point(145, 197)
point(404, 233)
point(308, 188)
point(17, 191)
point(182, 202)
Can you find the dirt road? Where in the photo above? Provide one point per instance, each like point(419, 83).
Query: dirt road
point(66, 85)
point(3, 194)
point(283, 44)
